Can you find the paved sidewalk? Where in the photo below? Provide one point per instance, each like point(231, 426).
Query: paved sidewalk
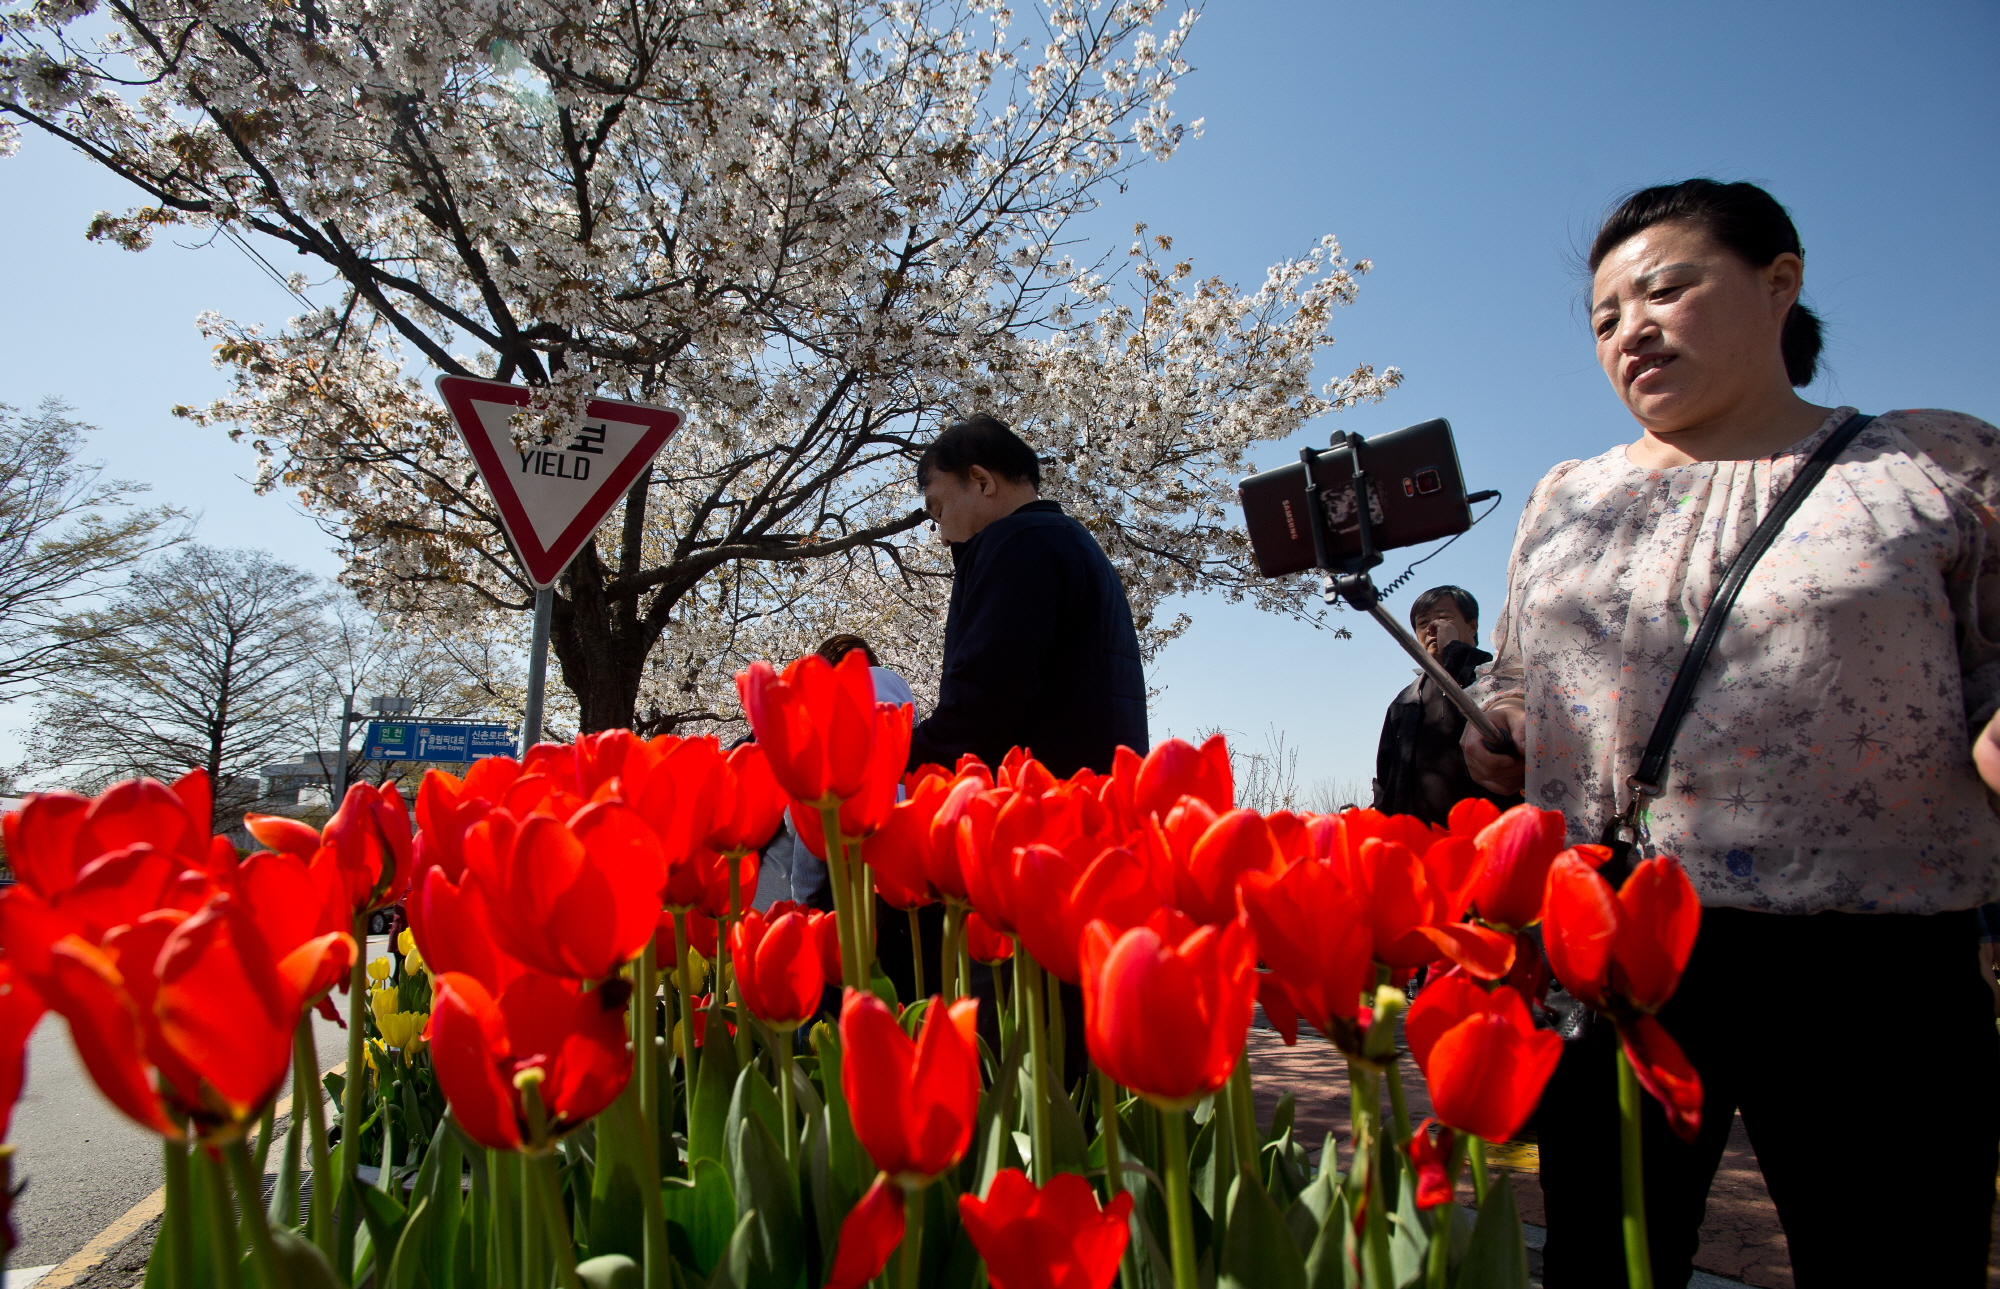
point(1740, 1240)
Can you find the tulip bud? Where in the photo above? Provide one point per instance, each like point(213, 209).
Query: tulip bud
point(1390, 1003)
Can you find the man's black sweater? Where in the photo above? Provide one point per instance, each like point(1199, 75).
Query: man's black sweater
point(1039, 650)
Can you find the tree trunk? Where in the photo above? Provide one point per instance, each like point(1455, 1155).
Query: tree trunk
point(602, 646)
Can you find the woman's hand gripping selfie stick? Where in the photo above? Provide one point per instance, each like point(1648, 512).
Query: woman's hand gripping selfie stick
point(1348, 580)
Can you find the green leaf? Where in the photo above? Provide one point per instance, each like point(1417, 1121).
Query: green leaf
point(301, 1262)
point(384, 1214)
point(1281, 1118)
point(1331, 1260)
point(766, 1189)
point(851, 1168)
point(1069, 1146)
point(734, 1272)
point(1497, 1255)
point(912, 1018)
point(438, 1181)
point(715, 1086)
point(1258, 1251)
point(700, 1214)
point(753, 1096)
point(1307, 1213)
point(882, 987)
point(1210, 1177)
point(406, 1265)
point(611, 1271)
point(1409, 1241)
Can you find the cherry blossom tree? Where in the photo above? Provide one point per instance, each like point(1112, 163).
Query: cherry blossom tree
point(820, 229)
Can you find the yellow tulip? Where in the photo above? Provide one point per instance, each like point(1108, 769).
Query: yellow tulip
point(379, 969)
point(386, 1006)
point(413, 958)
point(404, 1030)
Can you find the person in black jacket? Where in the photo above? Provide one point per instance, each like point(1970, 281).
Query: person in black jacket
point(1419, 769)
point(1039, 648)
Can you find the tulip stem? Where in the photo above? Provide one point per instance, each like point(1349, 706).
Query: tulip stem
point(1114, 1165)
point(781, 1044)
point(645, 1061)
point(1243, 1112)
point(1180, 1212)
point(728, 955)
point(548, 1191)
point(846, 917)
point(685, 980)
point(1638, 1258)
point(917, 950)
point(655, 1236)
point(1475, 1150)
point(309, 1101)
point(1399, 1106)
point(224, 1248)
point(1438, 1272)
point(1366, 1110)
point(911, 1263)
point(1038, 1109)
point(285, 1196)
point(179, 1221)
point(348, 1212)
point(954, 985)
point(249, 1180)
point(1058, 1032)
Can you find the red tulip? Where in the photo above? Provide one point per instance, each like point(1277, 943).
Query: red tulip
point(1176, 769)
point(576, 900)
point(913, 1104)
point(816, 723)
point(1515, 852)
point(1070, 892)
point(454, 931)
point(704, 933)
point(757, 803)
point(1318, 940)
point(1482, 1056)
point(21, 1010)
point(368, 844)
point(1432, 1157)
point(869, 1234)
point(1234, 846)
point(1623, 955)
point(983, 943)
point(996, 823)
point(1052, 1238)
point(54, 835)
point(777, 968)
point(486, 1049)
point(702, 1004)
point(898, 851)
point(1167, 1005)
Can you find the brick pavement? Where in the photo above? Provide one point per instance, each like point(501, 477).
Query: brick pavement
point(1740, 1239)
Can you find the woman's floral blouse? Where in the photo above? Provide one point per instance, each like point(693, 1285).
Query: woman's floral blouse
point(1825, 762)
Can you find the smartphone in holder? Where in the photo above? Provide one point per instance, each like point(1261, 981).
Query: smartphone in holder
point(1415, 491)
point(1310, 515)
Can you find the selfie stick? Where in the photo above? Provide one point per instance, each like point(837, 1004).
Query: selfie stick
point(1348, 580)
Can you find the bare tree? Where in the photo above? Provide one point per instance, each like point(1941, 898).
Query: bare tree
point(67, 536)
point(211, 665)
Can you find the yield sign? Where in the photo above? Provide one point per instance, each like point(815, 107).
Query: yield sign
point(552, 498)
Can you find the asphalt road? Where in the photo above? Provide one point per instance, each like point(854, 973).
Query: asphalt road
point(84, 1162)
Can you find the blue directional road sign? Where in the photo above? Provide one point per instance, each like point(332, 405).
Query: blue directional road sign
point(410, 741)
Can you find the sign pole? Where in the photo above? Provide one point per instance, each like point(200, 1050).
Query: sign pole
point(538, 666)
point(347, 715)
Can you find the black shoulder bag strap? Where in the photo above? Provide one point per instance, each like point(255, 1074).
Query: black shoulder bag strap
point(1621, 833)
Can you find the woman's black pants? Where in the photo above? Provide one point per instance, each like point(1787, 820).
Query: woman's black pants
point(1862, 1054)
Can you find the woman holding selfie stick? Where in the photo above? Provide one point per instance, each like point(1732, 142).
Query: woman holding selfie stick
point(1821, 790)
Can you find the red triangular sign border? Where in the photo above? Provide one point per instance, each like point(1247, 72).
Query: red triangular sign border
point(545, 564)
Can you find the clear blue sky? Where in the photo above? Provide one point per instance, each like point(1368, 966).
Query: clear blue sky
point(1466, 148)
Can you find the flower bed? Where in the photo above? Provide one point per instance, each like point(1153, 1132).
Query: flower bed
point(588, 1063)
